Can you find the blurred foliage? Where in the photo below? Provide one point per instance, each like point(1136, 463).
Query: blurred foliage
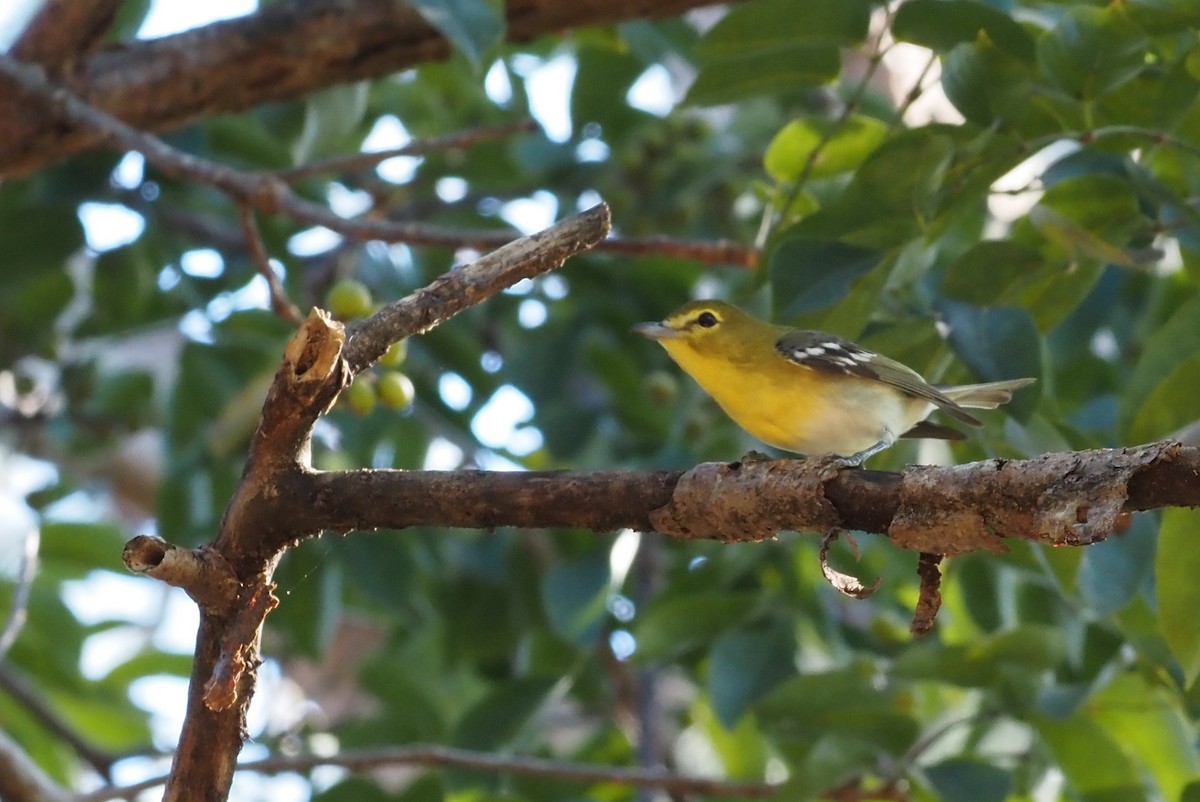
point(1041, 219)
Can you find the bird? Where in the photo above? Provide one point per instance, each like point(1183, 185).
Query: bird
point(811, 392)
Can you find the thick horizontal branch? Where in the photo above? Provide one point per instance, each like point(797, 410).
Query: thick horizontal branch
point(445, 756)
point(1062, 498)
point(285, 50)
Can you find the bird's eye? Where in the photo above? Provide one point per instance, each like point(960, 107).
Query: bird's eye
point(707, 320)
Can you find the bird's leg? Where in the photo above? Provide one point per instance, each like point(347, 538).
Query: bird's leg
point(832, 463)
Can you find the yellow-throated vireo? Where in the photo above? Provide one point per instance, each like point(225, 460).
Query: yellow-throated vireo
point(809, 391)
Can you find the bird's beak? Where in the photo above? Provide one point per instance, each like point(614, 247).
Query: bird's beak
point(655, 331)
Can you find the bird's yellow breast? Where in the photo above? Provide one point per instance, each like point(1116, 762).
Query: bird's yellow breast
point(796, 408)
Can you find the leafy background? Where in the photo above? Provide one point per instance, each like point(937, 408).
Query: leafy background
point(982, 190)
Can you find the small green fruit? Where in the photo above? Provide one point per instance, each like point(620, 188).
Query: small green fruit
point(662, 387)
point(395, 389)
point(395, 355)
point(360, 397)
point(349, 298)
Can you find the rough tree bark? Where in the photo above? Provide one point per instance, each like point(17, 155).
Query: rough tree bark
point(285, 50)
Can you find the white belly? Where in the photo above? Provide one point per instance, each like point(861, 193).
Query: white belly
point(863, 415)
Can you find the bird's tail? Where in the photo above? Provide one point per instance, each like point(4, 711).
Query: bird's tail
point(984, 396)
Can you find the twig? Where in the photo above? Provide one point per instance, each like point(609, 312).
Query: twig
point(454, 291)
point(22, 779)
point(711, 252)
point(844, 583)
point(268, 194)
point(280, 303)
point(364, 161)
point(930, 599)
point(264, 192)
point(18, 613)
point(914, 93)
point(20, 689)
point(443, 756)
point(878, 50)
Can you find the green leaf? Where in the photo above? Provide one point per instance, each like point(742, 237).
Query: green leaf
point(1164, 16)
point(496, 719)
point(111, 725)
point(768, 25)
point(149, 663)
point(1023, 650)
point(1092, 760)
point(808, 275)
point(1149, 723)
point(983, 273)
point(85, 547)
point(763, 72)
point(1172, 343)
point(575, 595)
point(845, 703)
point(1104, 211)
point(892, 196)
point(746, 664)
point(832, 761)
point(1054, 293)
point(1177, 591)
point(472, 26)
point(673, 625)
point(969, 781)
point(1162, 413)
point(774, 46)
point(357, 789)
point(942, 24)
point(603, 73)
point(1092, 50)
point(1114, 570)
point(744, 750)
point(844, 145)
point(331, 116)
point(988, 84)
point(996, 343)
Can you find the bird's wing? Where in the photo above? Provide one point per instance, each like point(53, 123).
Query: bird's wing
point(828, 353)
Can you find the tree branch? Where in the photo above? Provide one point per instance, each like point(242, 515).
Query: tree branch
point(18, 612)
point(285, 50)
point(442, 756)
point(261, 520)
point(366, 161)
point(64, 32)
point(269, 194)
point(1070, 498)
point(24, 693)
point(22, 780)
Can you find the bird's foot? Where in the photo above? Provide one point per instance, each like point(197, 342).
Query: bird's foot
point(827, 466)
point(754, 457)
